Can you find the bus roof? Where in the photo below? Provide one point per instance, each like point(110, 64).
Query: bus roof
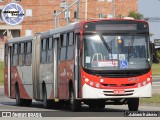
point(19, 39)
point(59, 30)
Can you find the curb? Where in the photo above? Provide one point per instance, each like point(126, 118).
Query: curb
point(155, 76)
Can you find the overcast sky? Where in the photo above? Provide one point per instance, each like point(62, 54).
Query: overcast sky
point(151, 8)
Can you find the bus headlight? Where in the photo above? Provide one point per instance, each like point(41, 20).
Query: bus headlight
point(97, 85)
point(139, 84)
point(144, 82)
point(101, 80)
point(86, 80)
point(148, 79)
point(91, 83)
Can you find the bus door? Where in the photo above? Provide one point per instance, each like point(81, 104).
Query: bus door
point(9, 70)
point(62, 69)
point(77, 68)
point(35, 67)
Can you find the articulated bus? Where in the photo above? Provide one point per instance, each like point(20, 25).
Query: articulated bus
point(96, 62)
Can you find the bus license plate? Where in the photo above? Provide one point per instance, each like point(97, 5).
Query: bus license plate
point(118, 91)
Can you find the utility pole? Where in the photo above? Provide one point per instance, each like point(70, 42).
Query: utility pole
point(114, 9)
point(56, 14)
point(67, 13)
point(78, 7)
point(55, 19)
point(86, 9)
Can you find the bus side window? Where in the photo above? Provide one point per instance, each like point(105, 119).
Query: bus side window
point(21, 53)
point(70, 39)
point(63, 43)
point(28, 57)
point(15, 55)
point(50, 50)
point(43, 50)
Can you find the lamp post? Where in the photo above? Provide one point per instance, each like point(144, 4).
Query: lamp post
point(67, 12)
point(114, 9)
point(86, 9)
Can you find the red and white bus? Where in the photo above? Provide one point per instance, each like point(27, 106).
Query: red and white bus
point(97, 62)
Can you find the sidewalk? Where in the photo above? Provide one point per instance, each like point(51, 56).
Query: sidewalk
point(1, 86)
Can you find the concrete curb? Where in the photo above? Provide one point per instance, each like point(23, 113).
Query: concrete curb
point(155, 76)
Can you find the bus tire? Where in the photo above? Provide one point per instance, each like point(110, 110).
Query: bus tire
point(45, 100)
point(92, 107)
point(17, 96)
point(19, 101)
point(75, 105)
point(26, 102)
point(133, 104)
point(97, 104)
point(101, 105)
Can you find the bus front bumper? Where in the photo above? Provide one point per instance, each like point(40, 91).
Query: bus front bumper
point(89, 92)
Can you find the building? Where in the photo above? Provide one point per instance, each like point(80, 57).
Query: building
point(39, 14)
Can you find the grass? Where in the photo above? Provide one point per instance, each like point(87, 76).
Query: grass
point(156, 69)
point(155, 99)
point(1, 72)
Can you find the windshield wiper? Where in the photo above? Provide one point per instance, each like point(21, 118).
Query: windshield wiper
point(129, 48)
point(105, 43)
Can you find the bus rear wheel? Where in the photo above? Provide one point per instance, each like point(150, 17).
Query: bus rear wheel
point(75, 105)
point(46, 102)
point(133, 104)
point(19, 101)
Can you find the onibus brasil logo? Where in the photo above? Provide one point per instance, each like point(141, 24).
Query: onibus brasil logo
point(12, 14)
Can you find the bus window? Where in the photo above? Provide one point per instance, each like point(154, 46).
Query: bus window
point(15, 55)
point(21, 54)
point(43, 51)
point(63, 44)
point(28, 53)
point(70, 46)
point(50, 50)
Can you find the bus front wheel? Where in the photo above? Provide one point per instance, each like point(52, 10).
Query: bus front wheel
point(133, 104)
point(75, 105)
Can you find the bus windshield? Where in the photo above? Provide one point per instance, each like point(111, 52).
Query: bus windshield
point(115, 52)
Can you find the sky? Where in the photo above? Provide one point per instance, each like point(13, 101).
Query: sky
point(151, 8)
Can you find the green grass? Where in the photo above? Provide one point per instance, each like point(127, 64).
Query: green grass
point(1, 72)
point(156, 69)
point(155, 99)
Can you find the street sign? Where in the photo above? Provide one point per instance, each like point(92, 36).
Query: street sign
point(157, 42)
point(123, 64)
point(65, 14)
point(63, 5)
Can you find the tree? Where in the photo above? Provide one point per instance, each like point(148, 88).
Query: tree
point(135, 15)
point(157, 56)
